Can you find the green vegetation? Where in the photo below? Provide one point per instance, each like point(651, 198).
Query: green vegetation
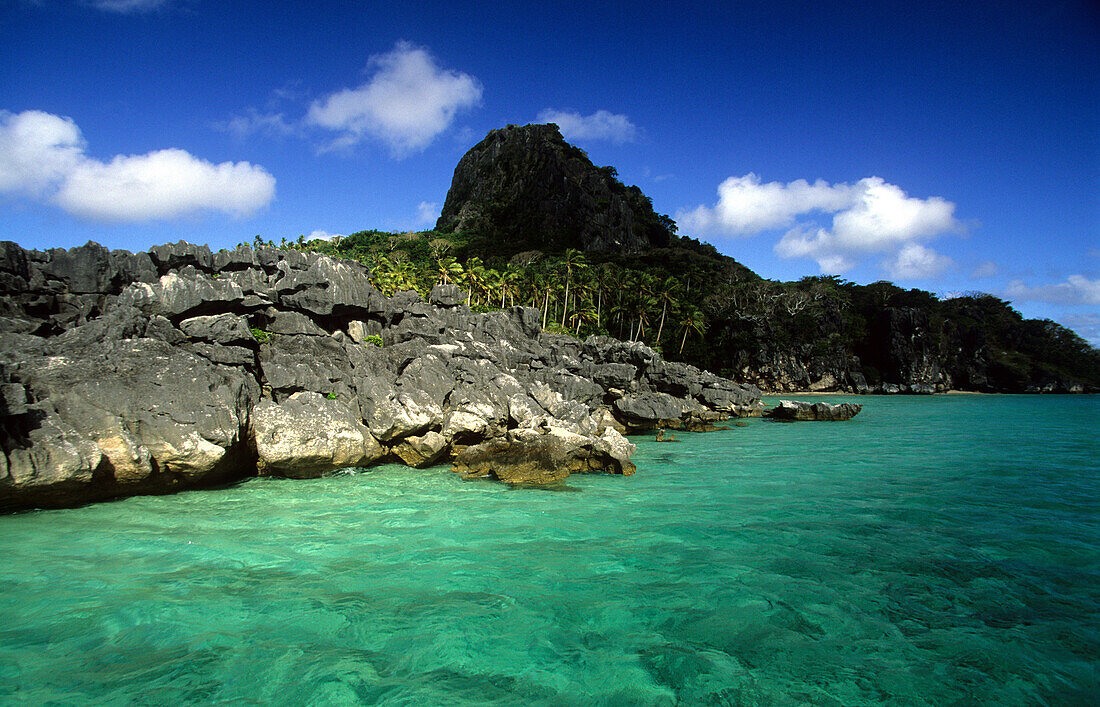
point(260, 335)
point(698, 306)
point(373, 340)
point(582, 293)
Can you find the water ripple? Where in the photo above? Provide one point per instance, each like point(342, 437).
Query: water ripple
point(931, 551)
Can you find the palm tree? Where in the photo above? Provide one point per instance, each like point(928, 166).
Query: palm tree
point(404, 275)
point(574, 260)
point(448, 269)
point(585, 315)
point(388, 275)
point(494, 280)
point(475, 277)
point(510, 285)
point(692, 321)
point(548, 286)
point(532, 282)
point(666, 295)
point(618, 281)
point(620, 310)
point(640, 306)
point(603, 275)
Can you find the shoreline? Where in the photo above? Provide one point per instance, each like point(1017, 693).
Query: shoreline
point(776, 394)
point(779, 394)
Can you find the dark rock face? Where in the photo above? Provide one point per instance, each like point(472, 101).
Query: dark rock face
point(774, 369)
point(795, 410)
point(125, 373)
point(905, 350)
point(525, 187)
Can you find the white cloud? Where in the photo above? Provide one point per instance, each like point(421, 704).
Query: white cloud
point(253, 122)
point(42, 155)
point(1077, 289)
point(427, 212)
point(745, 206)
point(986, 269)
point(164, 184)
point(601, 125)
point(36, 150)
point(916, 262)
point(883, 215)
point(323, 236)
point(407, 102)
point(870, 216)
point(128, 6)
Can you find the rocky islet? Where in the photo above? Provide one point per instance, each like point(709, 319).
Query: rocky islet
point(797, 410)
point(128, 373)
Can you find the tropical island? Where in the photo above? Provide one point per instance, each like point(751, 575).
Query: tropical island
point(530, 220)
point(550, 312)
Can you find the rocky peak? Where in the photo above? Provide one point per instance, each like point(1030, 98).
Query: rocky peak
point(526, 188)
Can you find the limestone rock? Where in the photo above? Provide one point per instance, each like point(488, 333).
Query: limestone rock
point(175, 256)
point(423, 450)
point(618, 451)
point(178, 296)
point(293, 323)
point(467, 426)
point(605, 419)
point(646, 410)
point(145, 373)
point(614, 375)
point(792, 410)
point(91, 268)
point(240, 258)
point(329, 286)
point(296, 363)
point(309, 435)
point(400, 414)
point(223, 329)
point(531, 458)
point(447, 295)
point(539, 460)
point(121, 416)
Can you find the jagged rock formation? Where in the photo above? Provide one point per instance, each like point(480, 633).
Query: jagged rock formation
point(526, 188)
point(149, 372)
point(796, 410)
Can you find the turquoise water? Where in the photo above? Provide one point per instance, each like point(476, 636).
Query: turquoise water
point(934, 550)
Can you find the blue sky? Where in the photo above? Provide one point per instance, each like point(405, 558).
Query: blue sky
point(947, 146)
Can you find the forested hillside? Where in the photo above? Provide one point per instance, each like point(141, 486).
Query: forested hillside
point(698, 306)
point(530, 220)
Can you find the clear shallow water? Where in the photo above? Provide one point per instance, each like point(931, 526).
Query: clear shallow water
point(934, 551)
